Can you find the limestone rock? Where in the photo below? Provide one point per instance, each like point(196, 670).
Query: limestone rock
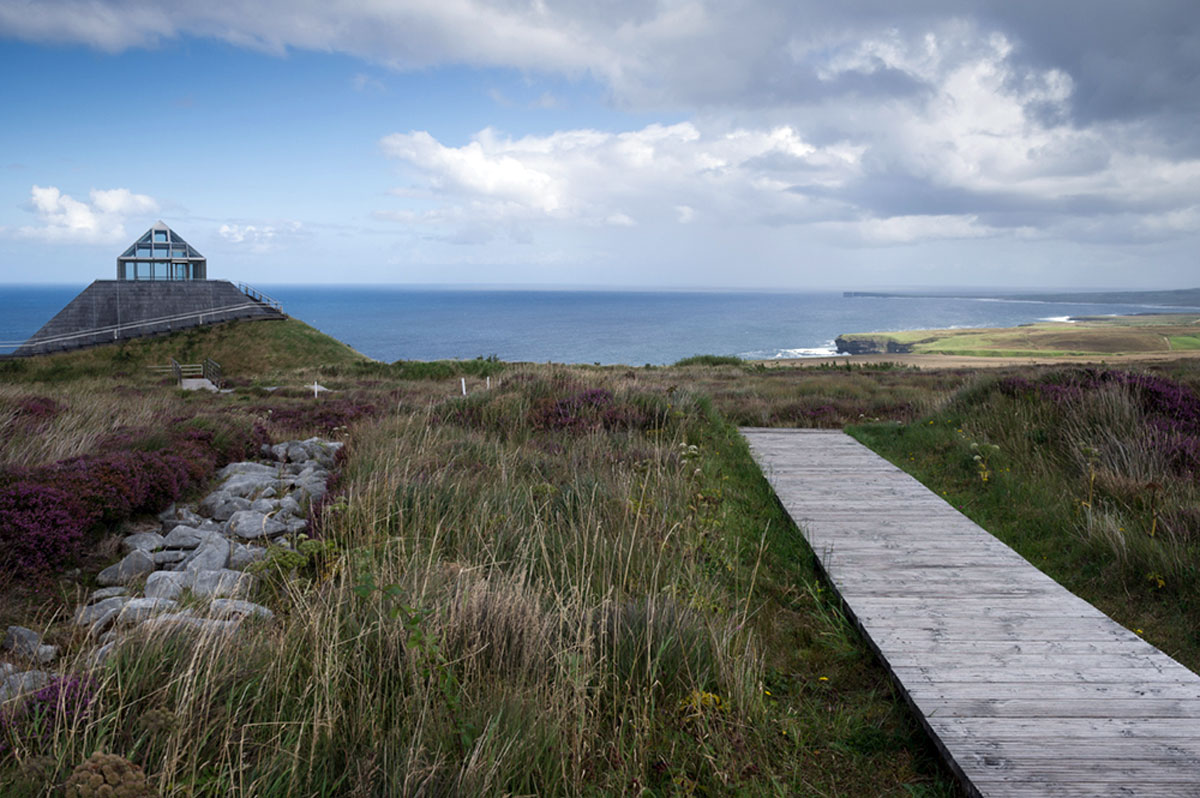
point(107, 592)
point(252, 524)
point(178, 621)
point(143, 541)
point(211, 554)
point(221, 583)
point(23, 682)
point(139, 609)
point(165, 584)
point(183, 537)
point(168, 557)
point(213, 500)
point(28, 644)
point(242, 555)
point(85, 616)
point(134, 566)
point(223, 608)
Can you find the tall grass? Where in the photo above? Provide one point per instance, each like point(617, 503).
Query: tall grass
point(1093, 475)
point(43, 423)
point(569, 585)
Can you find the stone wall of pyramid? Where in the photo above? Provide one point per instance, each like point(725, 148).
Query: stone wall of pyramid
point(115, 310)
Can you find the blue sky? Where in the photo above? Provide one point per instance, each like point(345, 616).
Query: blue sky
point(678, 143)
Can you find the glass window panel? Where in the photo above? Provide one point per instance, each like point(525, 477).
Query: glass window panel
point(160, 236)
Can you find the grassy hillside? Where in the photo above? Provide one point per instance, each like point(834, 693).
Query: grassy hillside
point(243, 348)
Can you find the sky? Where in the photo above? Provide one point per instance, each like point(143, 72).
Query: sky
point(755, 144)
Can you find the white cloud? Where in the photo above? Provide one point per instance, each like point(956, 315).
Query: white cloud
point(657, 173)
point(63, 218)
point(259, 237)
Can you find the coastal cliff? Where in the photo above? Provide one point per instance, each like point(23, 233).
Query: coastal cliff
point(870, 344)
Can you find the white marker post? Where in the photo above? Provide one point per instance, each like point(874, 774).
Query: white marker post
point(314, 389)
point(464, 386)
point(489, 383)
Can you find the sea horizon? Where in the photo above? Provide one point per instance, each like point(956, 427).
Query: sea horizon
point(574, 324)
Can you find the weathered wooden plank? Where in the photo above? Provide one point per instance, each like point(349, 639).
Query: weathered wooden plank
point(1101, 707)
point(1034, 690)
point(1030, 690)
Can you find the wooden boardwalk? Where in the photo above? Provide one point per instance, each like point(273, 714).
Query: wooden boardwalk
point(1027, 689)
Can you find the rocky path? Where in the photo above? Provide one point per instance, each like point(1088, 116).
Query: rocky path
point(200, 553)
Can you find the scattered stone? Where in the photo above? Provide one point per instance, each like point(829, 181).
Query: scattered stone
point(290, 506)
point(20, 683)
point(222, 583)
point(253, 524)
point(107, 592)
point(143, 541)
point(139, 609)
point(269, 493)
point(298, 453)
point(242, 555)
point(168, 557)
point(165, 584)
point(97, 657)
point(86, 616)
point(247, 467)
point(280, 452)
point(264, 506)
point(210, 555)
point(183, 537)
point(296, 526)
point(168, 514)
point(214, 500)
point(173, 622)
point(28, 644)
point(183, 517)
point(221, 608)
point(104, 621)
point(134, 566)
point(225, 511)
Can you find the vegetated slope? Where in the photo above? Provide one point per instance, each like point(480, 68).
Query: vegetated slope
point(1092, 474)
point(1117, 335)
point(576, 582)
point(243, 348)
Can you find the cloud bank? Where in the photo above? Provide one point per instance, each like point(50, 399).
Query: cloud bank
point(62, 218)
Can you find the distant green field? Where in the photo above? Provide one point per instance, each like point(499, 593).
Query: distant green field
point(1115, 335)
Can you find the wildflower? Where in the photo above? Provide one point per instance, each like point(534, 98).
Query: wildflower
point(822, 678)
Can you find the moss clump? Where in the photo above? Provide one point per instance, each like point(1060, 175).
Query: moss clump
point(108, 775)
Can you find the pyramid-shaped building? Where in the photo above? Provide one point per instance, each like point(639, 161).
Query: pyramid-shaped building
point(162, 286)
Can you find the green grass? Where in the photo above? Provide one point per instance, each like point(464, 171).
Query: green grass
point(1185, 342)
point(1130, 334)
point(243, 348)
point(710, 360)
point(1076, 490)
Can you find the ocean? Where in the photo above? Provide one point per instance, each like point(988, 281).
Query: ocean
point(607, 327)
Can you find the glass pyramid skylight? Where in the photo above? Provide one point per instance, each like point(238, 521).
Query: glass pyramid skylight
point(161, 254)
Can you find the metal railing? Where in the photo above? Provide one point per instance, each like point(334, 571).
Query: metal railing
point(209, 370)
point(212, 371)
point(259, 296)
point(118, 329)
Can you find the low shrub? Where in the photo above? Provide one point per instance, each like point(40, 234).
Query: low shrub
point(48, 513)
